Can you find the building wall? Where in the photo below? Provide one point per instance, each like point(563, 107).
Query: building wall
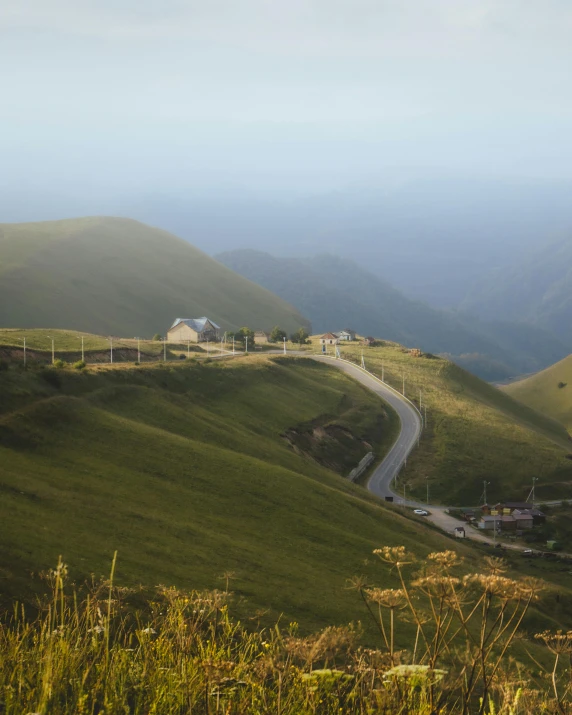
point(261, 339)
point(181, 333)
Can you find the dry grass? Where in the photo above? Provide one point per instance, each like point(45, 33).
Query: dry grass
point(111, 650)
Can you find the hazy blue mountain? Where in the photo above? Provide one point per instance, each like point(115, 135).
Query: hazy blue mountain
point(537, 289)
point(336, 293)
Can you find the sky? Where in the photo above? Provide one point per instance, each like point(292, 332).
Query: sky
point(262, 97)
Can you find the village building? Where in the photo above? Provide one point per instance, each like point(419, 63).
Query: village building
point(508, 507)
point(346, 334)
point(329, 339)
point(368, 341)
point(194, 330)
point(261, 337)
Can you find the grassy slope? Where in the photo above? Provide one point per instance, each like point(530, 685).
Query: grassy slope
point(542, 391)
point(475, 432)
point(117, 276)
point(185, 472)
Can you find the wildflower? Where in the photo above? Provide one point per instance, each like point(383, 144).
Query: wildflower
point(439, 586)
point(149, 630)
point(396, 555)
point(417, 674)
point(387, 597)
point(445, 559)
point(558, 642)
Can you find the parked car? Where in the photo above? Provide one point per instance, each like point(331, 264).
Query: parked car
point(420, 512)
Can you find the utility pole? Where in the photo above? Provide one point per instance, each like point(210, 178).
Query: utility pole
point(427, 483)
point(246, 338)
point(233, 344)
point(382, 372)
point(111, 350)
point(165, 349)
point(362, 361)
point(82, 350)
point(207, 347)
point(221, 345)
point(403, 390)
point(24, 352)
point(138, 350)
point(284, 346)
point(485, 491)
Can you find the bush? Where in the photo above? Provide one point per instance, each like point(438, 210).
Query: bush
point(79, 365)
point(561, 385)
point(59, 364)
point(157, 337)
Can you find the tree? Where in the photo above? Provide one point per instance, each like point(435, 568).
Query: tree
point(244, 333)
point(277, 335)
point(157, 337)
point(300, 337)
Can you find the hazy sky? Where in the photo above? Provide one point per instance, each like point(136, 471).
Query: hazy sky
point(257, 95)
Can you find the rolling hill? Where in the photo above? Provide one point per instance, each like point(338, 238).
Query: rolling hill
point(474, 433)
point(536, 288)
point(547, 391)
point(117, 276)
point(336, 293)
point(195, 470)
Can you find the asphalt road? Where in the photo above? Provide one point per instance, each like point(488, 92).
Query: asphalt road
point(384, 474)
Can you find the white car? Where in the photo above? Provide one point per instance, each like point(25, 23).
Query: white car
point(420, 512)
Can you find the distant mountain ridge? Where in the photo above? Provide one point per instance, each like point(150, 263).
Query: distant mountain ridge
point(121, 277)
point(537, 288)
point(336, 293)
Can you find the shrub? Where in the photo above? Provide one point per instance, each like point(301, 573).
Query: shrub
point(59, 364)
point(157, 337)
point(561, 385)
point(79, 365)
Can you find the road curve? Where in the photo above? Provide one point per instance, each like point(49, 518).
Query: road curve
point(381, 479)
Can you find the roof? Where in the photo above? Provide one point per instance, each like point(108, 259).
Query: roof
point(328, 335)
point(514, 504)
point(197, 324)
point(527, 517)
point(495, 517)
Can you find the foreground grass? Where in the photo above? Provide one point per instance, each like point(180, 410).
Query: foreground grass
point(474, 433)
point(185, 470)
point(116, 650)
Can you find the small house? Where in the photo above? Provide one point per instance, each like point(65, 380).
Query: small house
point(415, 352)
point(368, 341)
point(460, 532)
point(261, 337)
point(523, 520)
point(490, 523)
point(329, 339)
point(346, 334)
point(194, 330)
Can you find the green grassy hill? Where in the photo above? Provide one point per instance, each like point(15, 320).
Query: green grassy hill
point(549, 391)
point(186, 471)
point(474, 432)
point(120, 277)
point(336, 293)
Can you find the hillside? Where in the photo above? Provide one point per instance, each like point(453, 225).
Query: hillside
point(335, 293)
point(120, 277)
point(474, 433)
point(536, 288)
point(187, 472)
point(547, 391)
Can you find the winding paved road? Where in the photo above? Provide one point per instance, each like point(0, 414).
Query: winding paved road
point(380, 481)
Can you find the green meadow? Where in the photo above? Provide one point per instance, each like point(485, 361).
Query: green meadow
point(185, 470)
point(474, 433)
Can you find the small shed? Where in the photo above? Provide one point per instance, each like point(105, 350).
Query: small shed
point(460, 532)
point(261, 337)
